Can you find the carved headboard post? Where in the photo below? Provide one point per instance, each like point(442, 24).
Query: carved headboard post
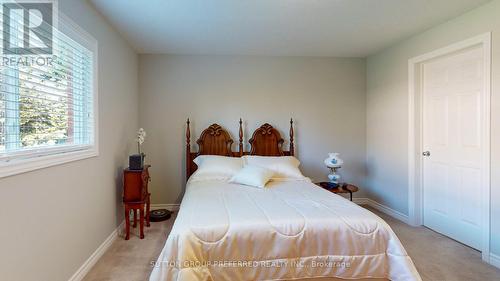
point(291, 138)
point(241, 139)
point(188, 149)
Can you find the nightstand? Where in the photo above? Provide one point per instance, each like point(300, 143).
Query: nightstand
point(342, 188)
point(136, 197)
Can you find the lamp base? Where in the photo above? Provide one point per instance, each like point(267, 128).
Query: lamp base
point(331, 185)
point(334, 177)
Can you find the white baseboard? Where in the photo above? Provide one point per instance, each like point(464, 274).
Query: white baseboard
point(170, 207)
point(495, 260)
point(360, 201)
point(92, 260)
point(382, 208)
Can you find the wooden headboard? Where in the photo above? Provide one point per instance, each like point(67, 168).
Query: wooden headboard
point(267, 141)
point(215, 140)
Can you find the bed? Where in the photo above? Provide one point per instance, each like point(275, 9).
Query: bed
point(289, 230)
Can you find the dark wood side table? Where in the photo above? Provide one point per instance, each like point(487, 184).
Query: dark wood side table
point(136, 197)
point(342, 188)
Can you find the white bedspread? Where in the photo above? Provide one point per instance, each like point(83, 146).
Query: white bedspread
point(289, 230)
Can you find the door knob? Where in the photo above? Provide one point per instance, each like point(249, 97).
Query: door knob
point(426, 153)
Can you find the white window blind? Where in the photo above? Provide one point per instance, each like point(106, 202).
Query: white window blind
point(47, 102)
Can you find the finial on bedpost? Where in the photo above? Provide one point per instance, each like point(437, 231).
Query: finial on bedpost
point(241, 139)
point(188, 135)
point(291, 138)
point(188, 151)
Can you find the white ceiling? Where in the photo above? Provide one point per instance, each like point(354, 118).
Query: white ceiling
point(346, 28)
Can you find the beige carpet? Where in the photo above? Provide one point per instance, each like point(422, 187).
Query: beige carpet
point(436, 257)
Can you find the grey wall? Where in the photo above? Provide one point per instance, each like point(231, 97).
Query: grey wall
point(53, 219)
point(387, 109)
point(325, 96)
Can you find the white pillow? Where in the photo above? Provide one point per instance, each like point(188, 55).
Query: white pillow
point(284, 167)
point(253, 176)
point(214, 167)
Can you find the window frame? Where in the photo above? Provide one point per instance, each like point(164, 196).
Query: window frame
point(44, 157)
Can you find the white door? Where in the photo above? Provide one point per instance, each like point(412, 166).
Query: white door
point(453, 88)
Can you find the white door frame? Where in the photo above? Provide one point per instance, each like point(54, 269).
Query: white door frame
point(415, 135)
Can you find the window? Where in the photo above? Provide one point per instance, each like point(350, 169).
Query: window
point(48, 103)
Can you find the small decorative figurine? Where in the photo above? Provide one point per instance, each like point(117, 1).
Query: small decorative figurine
point(333, 162)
